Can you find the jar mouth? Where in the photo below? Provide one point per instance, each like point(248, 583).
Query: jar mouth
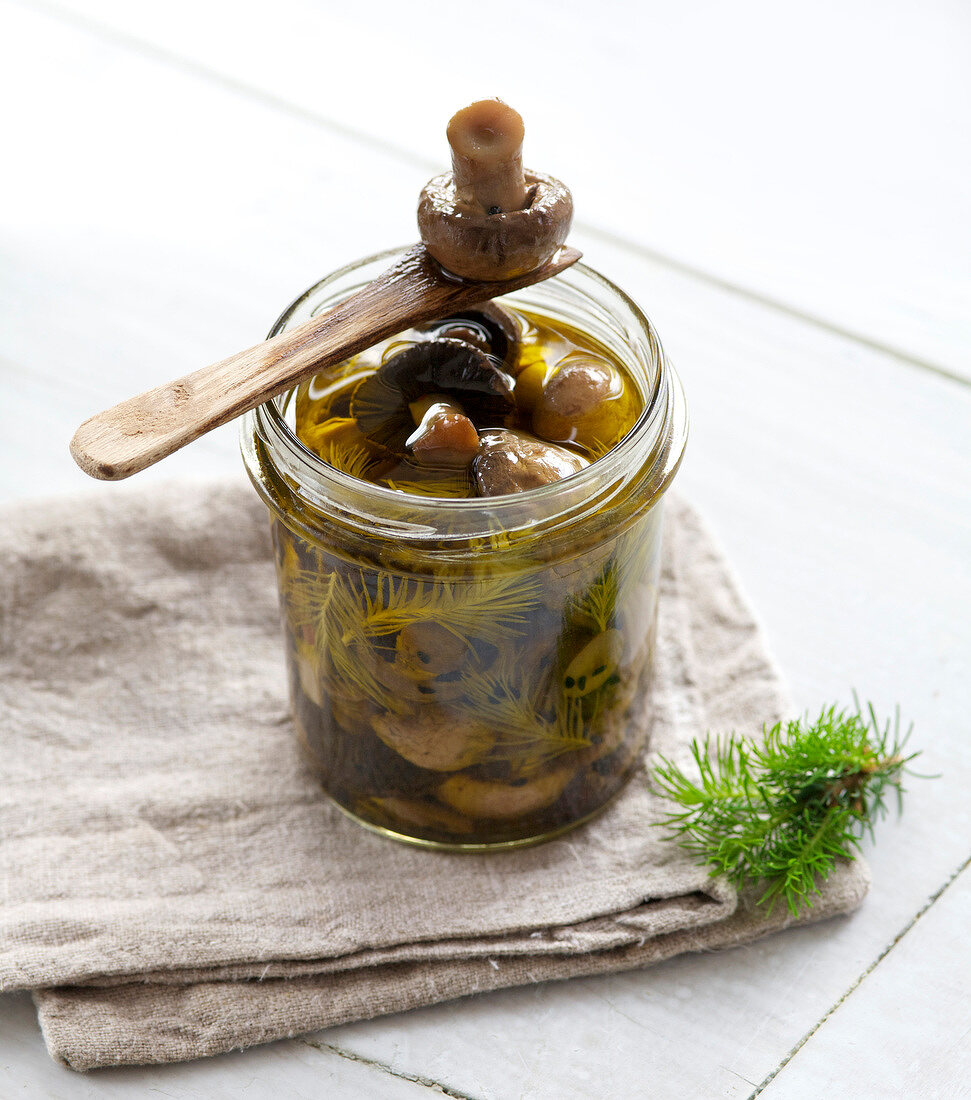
point(650, 452)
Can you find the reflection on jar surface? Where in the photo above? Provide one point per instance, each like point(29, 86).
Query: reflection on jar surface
point(469, 673)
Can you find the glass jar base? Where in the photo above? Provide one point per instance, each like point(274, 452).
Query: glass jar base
point(478, 846)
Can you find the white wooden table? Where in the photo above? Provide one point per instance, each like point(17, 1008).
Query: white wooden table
point(785, 190)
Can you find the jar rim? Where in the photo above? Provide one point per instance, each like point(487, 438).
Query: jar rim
point(660, 430)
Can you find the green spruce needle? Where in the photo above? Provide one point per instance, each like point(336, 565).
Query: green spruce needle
point(783, 810)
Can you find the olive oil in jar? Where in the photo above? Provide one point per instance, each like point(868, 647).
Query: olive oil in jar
point(470, 662)
point(496, 702)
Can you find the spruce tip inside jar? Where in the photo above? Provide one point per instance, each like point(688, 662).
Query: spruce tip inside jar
point(467, 519)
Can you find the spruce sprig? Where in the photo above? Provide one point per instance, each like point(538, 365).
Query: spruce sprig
point(782, 811)
point(490, 607)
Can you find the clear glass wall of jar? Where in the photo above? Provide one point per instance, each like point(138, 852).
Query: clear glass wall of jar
point(475, 673)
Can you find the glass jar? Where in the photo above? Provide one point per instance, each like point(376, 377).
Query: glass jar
point(475, 673)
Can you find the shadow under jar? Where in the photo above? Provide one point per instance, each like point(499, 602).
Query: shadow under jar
point(475, 673)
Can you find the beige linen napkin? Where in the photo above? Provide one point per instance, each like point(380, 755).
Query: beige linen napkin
point(176, 885)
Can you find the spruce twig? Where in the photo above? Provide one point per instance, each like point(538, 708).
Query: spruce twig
point(781, 812)
point(489, 607)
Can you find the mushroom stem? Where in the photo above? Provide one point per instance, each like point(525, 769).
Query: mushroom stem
point(487, 156)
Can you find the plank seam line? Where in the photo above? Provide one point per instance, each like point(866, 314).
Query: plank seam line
point(198, 69)
point(862, 977)
point(413, 1078)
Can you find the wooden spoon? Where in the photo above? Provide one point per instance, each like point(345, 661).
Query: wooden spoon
point(139, 432)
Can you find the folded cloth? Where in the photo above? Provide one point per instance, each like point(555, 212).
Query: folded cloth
point(176, 883)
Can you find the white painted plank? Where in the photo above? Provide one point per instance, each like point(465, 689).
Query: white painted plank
point(899, 1034)
point(834, 476)
point(294, 1071)
point(817, 155)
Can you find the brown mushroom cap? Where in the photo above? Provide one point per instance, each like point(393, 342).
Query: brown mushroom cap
point(435, 739)
point(494, 246)
point(452, 367)
point(503, 801)
point(586, 401)
point(488, 327)
point(445, 438)
point(514, 461)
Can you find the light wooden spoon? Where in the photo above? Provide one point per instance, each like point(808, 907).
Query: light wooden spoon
point(139, 432)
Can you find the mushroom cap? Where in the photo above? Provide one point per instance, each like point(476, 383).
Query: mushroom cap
point(381, 402)
point(595, 666)
point(503, 801)
point(435, 738)
point(488, 327)
point(490, 247)
point(445, 438)
point(586, 401)
point(514, 461)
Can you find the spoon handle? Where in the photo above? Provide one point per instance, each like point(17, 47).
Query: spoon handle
point(141, 431)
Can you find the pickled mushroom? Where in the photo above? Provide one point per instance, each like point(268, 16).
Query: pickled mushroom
point(309, 678)
point(595, 665)
point(585, 401)
point(486, 140)
point(488, 327)
point(513, 461)
point(445, 436)
point(424, 650)
point(424, 815)
point(529, 384)
point(488, 218)
point(382, 402)
point(490, 799)
point(435, 739)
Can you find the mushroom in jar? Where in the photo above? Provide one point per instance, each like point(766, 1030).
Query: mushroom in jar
point(513, 461)
point(450, 370)
point(503, 801)
point(445, 436)
point(488, 327)
point(530, 381)
point(423, 814)
point(595, 666)
point(436, 739)
point(488, 218)
point(586, 401)
point(424, 650)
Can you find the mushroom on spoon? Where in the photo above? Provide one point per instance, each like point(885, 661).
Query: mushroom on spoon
point(488, 218)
